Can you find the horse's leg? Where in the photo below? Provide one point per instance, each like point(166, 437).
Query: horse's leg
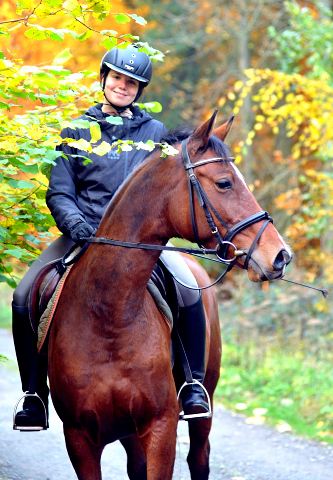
point(159, 446)
point(198, 456)
point(85, 457)
point(136, 460)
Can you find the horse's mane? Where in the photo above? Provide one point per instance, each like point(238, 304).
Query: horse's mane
point(179, 134)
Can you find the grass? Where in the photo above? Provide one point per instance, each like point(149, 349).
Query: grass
point(285, 389)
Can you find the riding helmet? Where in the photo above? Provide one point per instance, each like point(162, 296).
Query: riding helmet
point(128, 61)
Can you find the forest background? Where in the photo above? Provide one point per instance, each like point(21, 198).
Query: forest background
point(268, 62)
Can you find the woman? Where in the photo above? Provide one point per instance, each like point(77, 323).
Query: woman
point(77, 198)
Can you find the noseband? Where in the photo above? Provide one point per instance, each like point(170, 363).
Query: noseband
point(223, 242)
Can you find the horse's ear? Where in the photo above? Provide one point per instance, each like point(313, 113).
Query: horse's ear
point(199, 138)
point(223, 130)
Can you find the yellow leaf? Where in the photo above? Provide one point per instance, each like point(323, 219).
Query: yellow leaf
point(255, 420)
point(221, 102)
point(102, 149)
point(81, 144)
point(238, 85)
point(95, 132)
point(71, 5)
point(231, 96)
point(257, 412)
point(283, 427)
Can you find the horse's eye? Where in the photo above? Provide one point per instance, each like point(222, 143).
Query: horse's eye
point(224, 184)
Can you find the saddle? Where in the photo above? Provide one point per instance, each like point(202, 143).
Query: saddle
point(49, 282)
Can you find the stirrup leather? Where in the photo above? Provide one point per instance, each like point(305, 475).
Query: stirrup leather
point(193, 416)
point(28, 428)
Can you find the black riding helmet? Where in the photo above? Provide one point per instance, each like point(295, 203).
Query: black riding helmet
point(130, 62)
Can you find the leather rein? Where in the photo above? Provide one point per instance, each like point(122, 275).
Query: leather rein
point(223, 242)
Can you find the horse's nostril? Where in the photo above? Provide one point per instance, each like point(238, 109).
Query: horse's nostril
point(282, 259)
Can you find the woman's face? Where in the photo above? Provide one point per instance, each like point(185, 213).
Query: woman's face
point(120, 89)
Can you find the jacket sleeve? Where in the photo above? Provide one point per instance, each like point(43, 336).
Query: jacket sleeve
point(61, 195)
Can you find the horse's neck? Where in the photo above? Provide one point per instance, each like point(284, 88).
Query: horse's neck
point(138, 215)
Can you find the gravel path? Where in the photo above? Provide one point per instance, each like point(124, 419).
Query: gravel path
point(239, 451)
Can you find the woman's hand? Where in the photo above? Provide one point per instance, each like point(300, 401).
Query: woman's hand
point(81, 230)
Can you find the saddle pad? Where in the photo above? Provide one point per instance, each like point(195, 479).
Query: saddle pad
point(160, 303)
point(46, 318)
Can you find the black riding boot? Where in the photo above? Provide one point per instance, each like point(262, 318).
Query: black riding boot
point(192, 330)
point(25, 341)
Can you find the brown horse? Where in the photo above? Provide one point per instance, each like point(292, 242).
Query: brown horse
point(109, 351)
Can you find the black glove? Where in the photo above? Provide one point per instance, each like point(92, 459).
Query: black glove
point(81, 230)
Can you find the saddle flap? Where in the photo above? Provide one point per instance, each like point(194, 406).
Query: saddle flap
point(46, 279)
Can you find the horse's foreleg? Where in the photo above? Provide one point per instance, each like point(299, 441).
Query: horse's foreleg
point(198, 456)
point(159, 446)
point(136, 460)
point(85, 457)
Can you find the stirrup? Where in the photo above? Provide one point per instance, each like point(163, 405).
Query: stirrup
point(194, 416)
point(27, 428)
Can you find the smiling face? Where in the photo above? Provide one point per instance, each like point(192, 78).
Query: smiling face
point(120, 89)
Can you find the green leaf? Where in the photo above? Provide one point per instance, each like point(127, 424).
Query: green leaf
point(62, 57)
point(9, 281)
point(51, 155)
point(114, 120)
point(155, 107)
point(112, 33)
point(14, 253)
point(75, 124)
point(29, 168)
point(83, 36)
point(109, 42)
point(46, 169)
point(2, 56)
point(122, 18)
point(12, 182)
point(23, 184)
point(139, 20)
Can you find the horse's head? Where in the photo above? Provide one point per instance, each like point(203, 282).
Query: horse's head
point(225, 209)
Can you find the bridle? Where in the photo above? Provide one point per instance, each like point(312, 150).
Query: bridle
point(223, 242)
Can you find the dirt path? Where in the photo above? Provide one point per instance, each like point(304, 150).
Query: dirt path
point(239, 451)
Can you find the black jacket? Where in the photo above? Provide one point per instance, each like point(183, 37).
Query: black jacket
point(80, 192)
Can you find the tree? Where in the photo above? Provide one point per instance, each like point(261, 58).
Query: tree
point(48, 97)
point(298, 98)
